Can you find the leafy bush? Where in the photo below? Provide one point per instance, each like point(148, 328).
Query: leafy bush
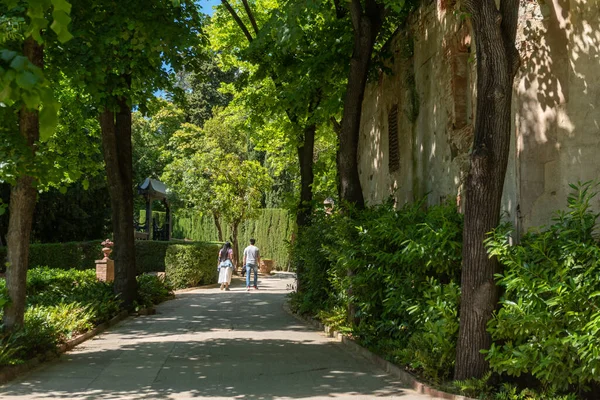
point(38, 335)
point(61, 304)
point(312, 266)
point(382, 261)
point(548, 325)
point(483, 389)
point(152, 290)
point(50, 287)
point(191, 265)
point(437, 318)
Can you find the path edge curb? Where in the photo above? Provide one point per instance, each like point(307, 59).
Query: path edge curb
point(404, 376)
point(7, 374)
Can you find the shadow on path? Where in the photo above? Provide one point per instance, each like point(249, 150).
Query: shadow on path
point(210, 344)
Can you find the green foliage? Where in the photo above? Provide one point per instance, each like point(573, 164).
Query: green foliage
point(400, 268)
point(549, 322)
point(483, 389)
point(60, 304)
point(152, 290)
point(313, 267)
point(272, 229)
point(51, 287)
point(191, 265)
point(475, 388)
point(150, 137)
point(21, 82)
point(38, 335)
point(70, 154)
point(204, 93)
point(55, 282)
point(437, 321)
point(212, 171)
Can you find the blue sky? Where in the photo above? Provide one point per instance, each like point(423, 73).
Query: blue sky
point(207, 5)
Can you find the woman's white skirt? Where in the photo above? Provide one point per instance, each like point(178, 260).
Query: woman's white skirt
point(225, 272)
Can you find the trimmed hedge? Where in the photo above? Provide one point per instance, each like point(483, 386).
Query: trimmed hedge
point(149, 255)
point(272, 230)
point(77, 255)
point(191, 265)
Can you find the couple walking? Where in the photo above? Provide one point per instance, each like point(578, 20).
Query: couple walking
point(251, 262)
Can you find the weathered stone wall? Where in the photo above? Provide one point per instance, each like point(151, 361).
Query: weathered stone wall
point(557, 96)
point(556, 110)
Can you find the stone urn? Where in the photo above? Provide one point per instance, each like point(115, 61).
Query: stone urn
point(106, 251)
point(105, 268)
point(266, 266)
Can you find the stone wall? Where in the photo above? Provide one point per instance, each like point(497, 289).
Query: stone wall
point(556, 110)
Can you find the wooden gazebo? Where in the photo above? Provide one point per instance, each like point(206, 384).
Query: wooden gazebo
point(153, 190)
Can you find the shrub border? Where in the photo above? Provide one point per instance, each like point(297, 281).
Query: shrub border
point(9, 373)
point(404, 376)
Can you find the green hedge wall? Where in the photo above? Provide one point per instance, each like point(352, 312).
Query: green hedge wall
point(149, 255)
point(78, 255)
point(272, 230)
point(191, 265)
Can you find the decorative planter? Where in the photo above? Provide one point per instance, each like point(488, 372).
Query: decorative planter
point(266, 266)
point(106, 251)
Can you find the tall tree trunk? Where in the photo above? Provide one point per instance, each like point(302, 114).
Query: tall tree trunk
point(497, 64)
point(116, 143)
point(307, 176)
point(366, 26)
point(235, 243)
point(218, 226)
point(21, 207)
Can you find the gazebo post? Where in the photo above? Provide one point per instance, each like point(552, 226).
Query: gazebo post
point(148, 222)
point(168, 220)
point(152, 190)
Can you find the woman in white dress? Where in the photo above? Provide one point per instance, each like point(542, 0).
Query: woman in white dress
point(225, 265)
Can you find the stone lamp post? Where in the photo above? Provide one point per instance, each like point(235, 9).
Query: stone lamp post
point(105, 268)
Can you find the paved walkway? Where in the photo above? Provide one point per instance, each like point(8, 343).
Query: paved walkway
point(211, 344)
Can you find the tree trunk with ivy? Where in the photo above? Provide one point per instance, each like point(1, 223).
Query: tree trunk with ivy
point(21, 208)
point(117, 149)
point(497, 63)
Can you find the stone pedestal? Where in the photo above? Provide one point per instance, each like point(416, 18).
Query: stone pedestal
point(105, 270)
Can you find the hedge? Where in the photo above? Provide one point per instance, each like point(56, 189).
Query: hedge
point(191, 265)
point(272, 230)
point(149, 255)
point(77, 255)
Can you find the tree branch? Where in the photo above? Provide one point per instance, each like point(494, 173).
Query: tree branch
point(237, 20)
point(337, 127)
point(251, 16)
point(340, 11)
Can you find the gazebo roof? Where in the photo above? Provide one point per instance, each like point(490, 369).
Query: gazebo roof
point(153, 189)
